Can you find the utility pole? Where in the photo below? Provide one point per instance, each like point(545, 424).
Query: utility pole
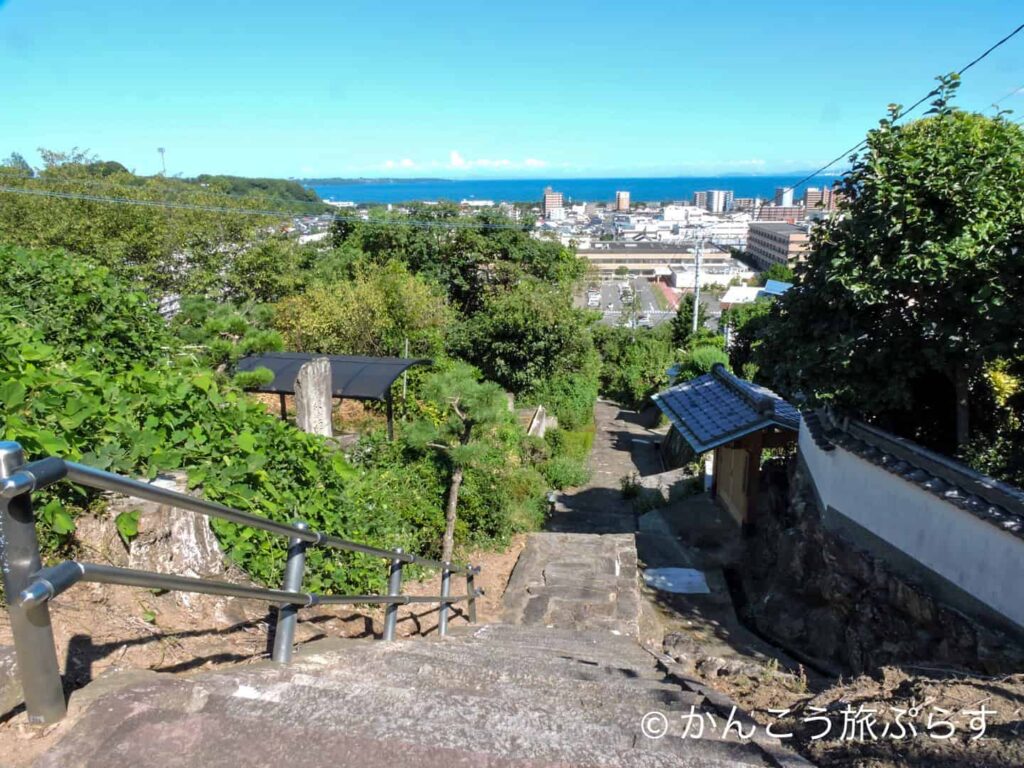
point(163, 161)
point(696, 279)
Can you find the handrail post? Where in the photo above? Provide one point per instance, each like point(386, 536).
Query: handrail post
point(394, 590)
point(442, 616)
point(470, 594)
point(287, 615)
point(33, 634)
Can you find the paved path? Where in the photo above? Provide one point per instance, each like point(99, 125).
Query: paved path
point(582, 574)
point(622, 446)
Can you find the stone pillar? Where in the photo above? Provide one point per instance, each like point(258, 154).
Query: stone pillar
point(313, 397)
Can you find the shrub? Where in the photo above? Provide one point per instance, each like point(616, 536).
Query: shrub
point(565, 472)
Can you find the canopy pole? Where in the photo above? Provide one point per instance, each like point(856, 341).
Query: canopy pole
point(391, 417)
point(284, 408)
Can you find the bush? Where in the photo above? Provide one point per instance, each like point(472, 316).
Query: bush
point(700, 361)
point(634, 363)
point(63, 393)
point(565, 472)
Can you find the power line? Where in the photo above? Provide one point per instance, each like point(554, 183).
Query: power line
point(1001, 99)
point(908, 110)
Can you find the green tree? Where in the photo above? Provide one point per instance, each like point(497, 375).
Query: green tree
point(182, 250)
point(747, 323)
point(372, 314)
point(779, 272)
point(915, 288)
point(263, 272)
point(682, 323)
point(700, 360)
point(526, 335)
point(633, 365)
point(218, 334)
point(470, 256)
point(465, 412)
point(15, 162)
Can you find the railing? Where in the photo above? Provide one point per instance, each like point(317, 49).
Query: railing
point(29, 587)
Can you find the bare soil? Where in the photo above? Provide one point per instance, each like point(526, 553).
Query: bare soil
point(893, 718)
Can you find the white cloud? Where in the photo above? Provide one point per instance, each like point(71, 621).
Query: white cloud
point(389, 163)
point(407, 163)
point(457, 161)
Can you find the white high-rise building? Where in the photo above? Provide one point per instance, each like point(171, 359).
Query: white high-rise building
point(719, 200)
point(784, 196)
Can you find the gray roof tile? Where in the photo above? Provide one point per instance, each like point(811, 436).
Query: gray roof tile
point(717, 408)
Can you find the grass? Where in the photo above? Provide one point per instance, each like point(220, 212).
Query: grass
point(578, 442)
point(659, 297)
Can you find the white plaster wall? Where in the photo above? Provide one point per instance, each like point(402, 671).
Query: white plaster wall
point(984, 561)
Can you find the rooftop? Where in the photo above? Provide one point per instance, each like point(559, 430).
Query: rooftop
point(352, 376)
point(718, 407)
point(777, 226)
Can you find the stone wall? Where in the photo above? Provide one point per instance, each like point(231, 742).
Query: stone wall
point(818, 595)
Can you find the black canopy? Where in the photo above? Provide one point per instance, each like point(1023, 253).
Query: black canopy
point(352, 376)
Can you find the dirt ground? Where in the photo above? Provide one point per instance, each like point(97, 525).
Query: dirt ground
point(912, 716)
point(101, 629)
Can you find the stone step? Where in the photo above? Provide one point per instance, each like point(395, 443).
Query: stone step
point(567, 666)
point(630, 696)
point(251, 714)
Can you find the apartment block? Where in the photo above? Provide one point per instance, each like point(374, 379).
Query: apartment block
point(776, 243)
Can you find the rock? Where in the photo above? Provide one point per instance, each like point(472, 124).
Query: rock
point(313, 388)
point(710, 666)
point(682, 647)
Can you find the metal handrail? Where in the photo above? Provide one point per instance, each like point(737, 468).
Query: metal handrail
point(30, 587)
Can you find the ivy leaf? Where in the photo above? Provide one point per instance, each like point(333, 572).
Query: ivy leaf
point(127, 525)
point(246, 440)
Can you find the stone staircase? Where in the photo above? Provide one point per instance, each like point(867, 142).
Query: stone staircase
point(493, 695)
point(511, 694)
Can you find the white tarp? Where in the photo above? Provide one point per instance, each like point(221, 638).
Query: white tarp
point(683, 581)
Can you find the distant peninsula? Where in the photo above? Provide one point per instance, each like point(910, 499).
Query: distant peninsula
point(340, 182)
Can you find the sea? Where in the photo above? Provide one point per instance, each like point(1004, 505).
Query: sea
point(575, 190)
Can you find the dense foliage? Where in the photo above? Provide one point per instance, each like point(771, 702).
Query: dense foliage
point(276, 190)
point(635, 363)
point(154, 409)
point(167, 249)
point(374, 313)
point(908, 307)
point(532, 341)
point(476, 288)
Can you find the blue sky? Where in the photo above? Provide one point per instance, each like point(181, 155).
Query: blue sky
point(488, 89)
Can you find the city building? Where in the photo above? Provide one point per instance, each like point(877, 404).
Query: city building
point(684, 214)
point(729, 229)
point(552, 200)
point(776, 243)
point(700, 199)
point(622, 201)
point(748, 204)
point(784, 196)
point(787, 213)
point(825, 198)
point(719, 200)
